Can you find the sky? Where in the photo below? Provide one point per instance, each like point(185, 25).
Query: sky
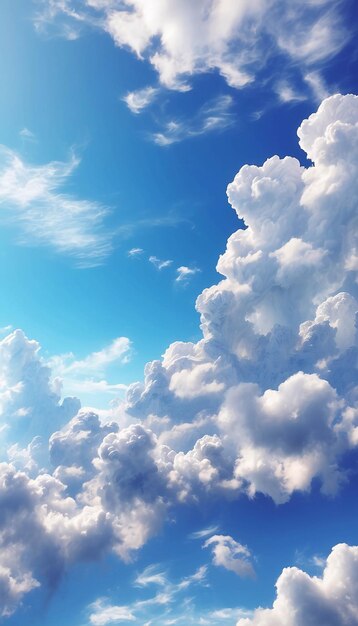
point(178, 321)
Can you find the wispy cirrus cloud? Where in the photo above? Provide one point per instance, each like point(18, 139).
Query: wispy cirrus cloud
point(183, 272)
point(87, 375)
point(160, 264)
point(103, 613)
point(215, 116)
point(32, 199)
point(204, 532)
point(140, 99)
point(230, 554)
point(165, 606)
point(27, 134)
point(135, 252)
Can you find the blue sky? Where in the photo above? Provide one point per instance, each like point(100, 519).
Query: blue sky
point(181, 498)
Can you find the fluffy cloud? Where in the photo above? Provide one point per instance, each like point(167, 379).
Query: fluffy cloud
point(230, 554)
point(31, 198)
point(277, 363)
point(30, 403)
point(183, 38)
point(303, 600)
point(285, 436)
point(73, 448)
point(129, 484)
point(43, 531)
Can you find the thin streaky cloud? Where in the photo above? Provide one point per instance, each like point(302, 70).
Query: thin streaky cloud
point(151, 576)
point(4, 330)
point(215, 116)
point(287, 93)
point(205, 532)
point(119, 350)
point(27, 134)
point(161, 607)
point(32, 199)
point(88, 375)
point(170, 220)
point(160, 264)
point(317, 85)
point(139, 100)
point(135, 252)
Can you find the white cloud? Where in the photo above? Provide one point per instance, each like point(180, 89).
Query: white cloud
point(135, 252)
point(29, 403)
point(103, 614)
point(158, 263)
point(205, 532)
point(118, 351)
point(277, 360)
point(167, 606)
point(86, 375)
point(78, 386)
point(214, 116)
point(236, 39)
point(303, 600)
point(151, 576)
point(31, 198)
point(287, 93)
point(13, 589)
point(27, 134)
point(138, 100)
point(317, 85)
point(230, 554)
point(184, 273)
point(5, 330)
